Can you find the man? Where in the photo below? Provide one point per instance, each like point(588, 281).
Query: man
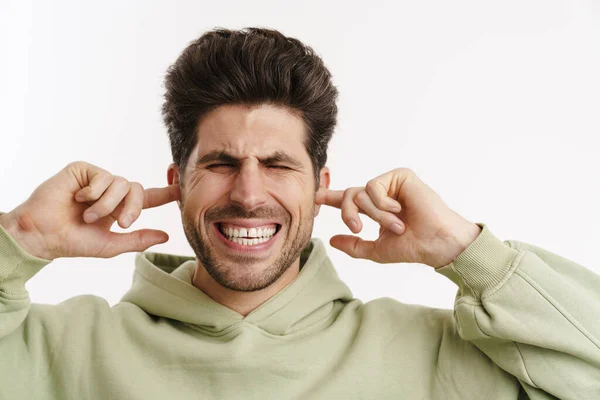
point(259, 312)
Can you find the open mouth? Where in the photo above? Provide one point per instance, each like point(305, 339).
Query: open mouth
point(248, 236)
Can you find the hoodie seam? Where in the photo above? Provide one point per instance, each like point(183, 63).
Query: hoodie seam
point(285, 336)
point(556, 305)
point(198, 328)
point(512, 342)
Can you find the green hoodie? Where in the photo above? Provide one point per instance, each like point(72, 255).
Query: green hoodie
point(525, 324)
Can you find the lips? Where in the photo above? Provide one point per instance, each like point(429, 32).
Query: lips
point(249, 223)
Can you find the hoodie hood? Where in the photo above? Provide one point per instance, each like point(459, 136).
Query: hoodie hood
point(162, 286)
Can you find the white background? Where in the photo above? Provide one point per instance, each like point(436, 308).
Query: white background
point(493, 104)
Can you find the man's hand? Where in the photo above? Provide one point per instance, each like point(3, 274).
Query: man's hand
point(57, 219)
point(416, 226)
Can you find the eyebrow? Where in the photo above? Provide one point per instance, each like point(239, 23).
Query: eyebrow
point(274, 158)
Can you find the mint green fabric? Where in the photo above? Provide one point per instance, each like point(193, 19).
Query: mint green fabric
point(525, 324)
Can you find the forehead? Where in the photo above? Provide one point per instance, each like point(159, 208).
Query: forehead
point(251, 131)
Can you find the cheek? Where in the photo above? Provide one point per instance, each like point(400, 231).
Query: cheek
point(204, 194)
point(297, 200)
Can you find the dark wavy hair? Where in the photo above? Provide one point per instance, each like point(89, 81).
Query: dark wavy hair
point(251, 66)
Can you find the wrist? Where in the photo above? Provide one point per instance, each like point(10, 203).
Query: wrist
point(456, 243)
point(15, 227)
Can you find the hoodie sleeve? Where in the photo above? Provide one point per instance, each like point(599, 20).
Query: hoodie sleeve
point(534, 313)
point(32, 336)
point(16, 267)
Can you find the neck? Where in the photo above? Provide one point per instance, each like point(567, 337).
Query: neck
point(241, 302)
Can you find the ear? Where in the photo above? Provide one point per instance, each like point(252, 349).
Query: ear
point(325, 179)
point(173, 177)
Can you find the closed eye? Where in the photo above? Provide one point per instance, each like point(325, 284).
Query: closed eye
point(225, 165)
point(219, 165)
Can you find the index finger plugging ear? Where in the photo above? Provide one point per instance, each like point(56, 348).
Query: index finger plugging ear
point(155, 197)
point(329, 197)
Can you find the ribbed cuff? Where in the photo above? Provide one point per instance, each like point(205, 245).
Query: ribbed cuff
point(17, 266)
point(482, 265)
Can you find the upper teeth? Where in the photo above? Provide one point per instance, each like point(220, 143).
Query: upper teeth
point(248, 232)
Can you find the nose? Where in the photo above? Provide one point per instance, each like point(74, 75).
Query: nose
point(249, 189)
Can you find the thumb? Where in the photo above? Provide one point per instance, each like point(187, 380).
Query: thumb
point(354, 246)
point(119, 243)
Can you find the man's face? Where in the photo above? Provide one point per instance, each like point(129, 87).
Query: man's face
point(247, 202)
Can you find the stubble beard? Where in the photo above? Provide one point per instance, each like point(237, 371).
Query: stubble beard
point(227, 272)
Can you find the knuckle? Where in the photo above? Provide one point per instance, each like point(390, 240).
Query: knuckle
point(355, 250)
point(363, 201)
point(351, 191)
point(95, 191)
point(347, 193)
point(405, 171)
point(349, 197)
point(371, 185)
point(104, 175)
point(362, 196)
point(136, 195)
point(120, 182)
point(76, 164)
point(137, 240)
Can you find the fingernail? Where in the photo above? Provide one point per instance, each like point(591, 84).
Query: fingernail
point(127, 220)
point(397, 228)
point(90, 217)
point(396, 210)
point(353, 225)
